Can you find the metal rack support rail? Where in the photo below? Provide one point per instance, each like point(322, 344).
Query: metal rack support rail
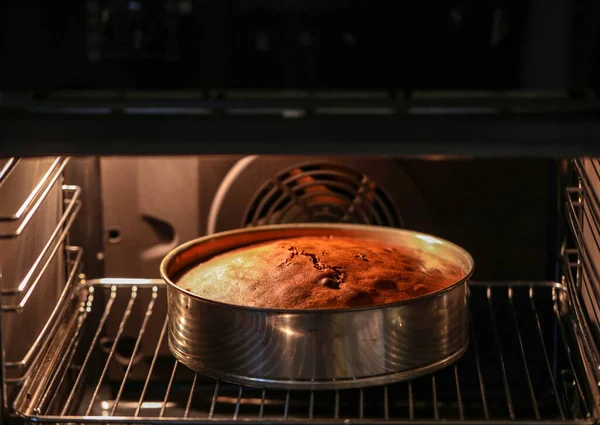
point(17, 224)
point(18, 297)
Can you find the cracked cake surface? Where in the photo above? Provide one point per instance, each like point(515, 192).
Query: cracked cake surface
point(319, 273)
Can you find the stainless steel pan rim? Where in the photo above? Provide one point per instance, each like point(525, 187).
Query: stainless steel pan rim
point(334, 384)
point(356, 227)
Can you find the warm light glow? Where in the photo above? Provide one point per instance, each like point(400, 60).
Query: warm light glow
point(107, 405)
point(155, 405)
point(429, 239)
point(288, 331)
point(128, 281)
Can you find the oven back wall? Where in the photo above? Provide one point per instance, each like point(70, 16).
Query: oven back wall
point(502, 210)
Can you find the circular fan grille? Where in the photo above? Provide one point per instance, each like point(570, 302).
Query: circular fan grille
point(321, 192)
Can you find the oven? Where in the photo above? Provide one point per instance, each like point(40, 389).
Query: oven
point(84, 309)
point(106, 167)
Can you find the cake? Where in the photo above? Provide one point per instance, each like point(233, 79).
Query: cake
point(319, 273)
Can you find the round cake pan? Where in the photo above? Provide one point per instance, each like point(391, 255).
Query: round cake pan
point(316, 349)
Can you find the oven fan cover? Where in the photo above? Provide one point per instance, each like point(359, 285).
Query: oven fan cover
point(261, 190)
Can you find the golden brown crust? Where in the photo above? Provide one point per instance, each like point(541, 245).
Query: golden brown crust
point(319, 273)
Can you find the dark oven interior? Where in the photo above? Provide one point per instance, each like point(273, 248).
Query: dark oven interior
point(80, 264)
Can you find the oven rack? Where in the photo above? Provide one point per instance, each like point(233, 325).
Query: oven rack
point(15, 298)
point(587, 275)
point(74, 256)
point(17, 294)
point(525, 363)
point(582, 207)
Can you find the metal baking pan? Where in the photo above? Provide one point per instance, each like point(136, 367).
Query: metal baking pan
point(316, 349)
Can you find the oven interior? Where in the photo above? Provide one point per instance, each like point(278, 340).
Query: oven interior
point(84, 309)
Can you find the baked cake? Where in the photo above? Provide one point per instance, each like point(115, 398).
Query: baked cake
point(319, 273)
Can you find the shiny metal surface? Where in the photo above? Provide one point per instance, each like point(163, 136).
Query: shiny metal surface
point(20, 286)
point(6, 166)
point(88, 229)
point(580, 263)
point(587, 345)
point(36, 213)
point(24, 190)
point(146, 226)
point(583, 215)
point(28, 177)
point(317, 349)
point(49, 323)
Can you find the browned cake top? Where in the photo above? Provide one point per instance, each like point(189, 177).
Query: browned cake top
point(319, 273)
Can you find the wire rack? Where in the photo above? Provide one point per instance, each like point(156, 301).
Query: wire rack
point(582, 205)
point(523, 364)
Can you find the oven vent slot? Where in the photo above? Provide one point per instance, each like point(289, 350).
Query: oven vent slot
point(322, 192)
